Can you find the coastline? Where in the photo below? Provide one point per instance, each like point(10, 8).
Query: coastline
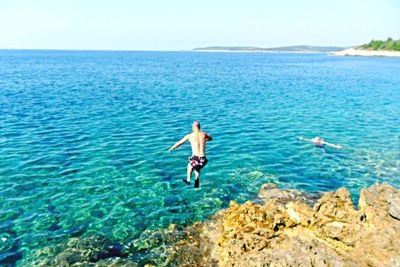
point(283, 227)
point(366, 53)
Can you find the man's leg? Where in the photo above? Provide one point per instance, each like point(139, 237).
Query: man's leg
point(196, 180)
point(197, 174)
point(189, 172)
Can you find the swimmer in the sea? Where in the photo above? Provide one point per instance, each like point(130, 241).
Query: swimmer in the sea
point(319, 142)
point(198, 159)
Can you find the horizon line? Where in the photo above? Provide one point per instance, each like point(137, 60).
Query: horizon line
point(164, 50)
point(94, 50)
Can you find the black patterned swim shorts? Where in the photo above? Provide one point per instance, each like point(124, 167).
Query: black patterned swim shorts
point(198, 162)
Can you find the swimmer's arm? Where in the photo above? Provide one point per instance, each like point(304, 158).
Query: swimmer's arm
point(179, 143)
point(332, 145)
point(208, 137)
point(305, 139)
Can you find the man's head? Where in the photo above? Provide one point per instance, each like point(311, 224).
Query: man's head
point(318, 139)
point(196, 126)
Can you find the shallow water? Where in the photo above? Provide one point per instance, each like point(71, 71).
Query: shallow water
point(84, 136)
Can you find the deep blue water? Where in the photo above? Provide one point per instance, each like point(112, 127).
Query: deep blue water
point(84, 135)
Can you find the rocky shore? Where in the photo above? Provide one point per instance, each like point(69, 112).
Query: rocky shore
point(367, 53)
point(280, 228)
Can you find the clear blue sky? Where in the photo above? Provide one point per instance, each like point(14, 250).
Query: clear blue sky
point(185, 24)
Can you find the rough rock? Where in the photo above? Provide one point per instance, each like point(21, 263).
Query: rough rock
point(286, 231)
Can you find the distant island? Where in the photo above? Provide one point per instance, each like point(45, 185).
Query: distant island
point(287, 49)
point(388, 48)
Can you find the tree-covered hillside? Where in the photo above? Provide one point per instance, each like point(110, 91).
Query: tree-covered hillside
point(389, 44)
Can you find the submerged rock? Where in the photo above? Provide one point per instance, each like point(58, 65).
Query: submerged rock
point(283, 196)
point(79, 252)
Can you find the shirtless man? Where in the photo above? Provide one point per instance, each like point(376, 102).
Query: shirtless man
point(319, 142)
point(198, 159)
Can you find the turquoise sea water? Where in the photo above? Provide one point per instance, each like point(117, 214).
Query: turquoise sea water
point(84, 136)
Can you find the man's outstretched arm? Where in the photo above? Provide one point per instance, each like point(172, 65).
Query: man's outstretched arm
point(332, 145)
point(305, 139)
point(208, 137)
point(179, 143)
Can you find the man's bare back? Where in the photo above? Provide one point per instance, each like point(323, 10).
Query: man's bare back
point(198, 142)
point(198, 159)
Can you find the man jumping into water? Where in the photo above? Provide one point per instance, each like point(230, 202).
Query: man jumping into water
point(319, 142)
point(198, 159)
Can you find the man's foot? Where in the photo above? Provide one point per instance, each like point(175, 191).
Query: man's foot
point(196, 183)
point(186, 181)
